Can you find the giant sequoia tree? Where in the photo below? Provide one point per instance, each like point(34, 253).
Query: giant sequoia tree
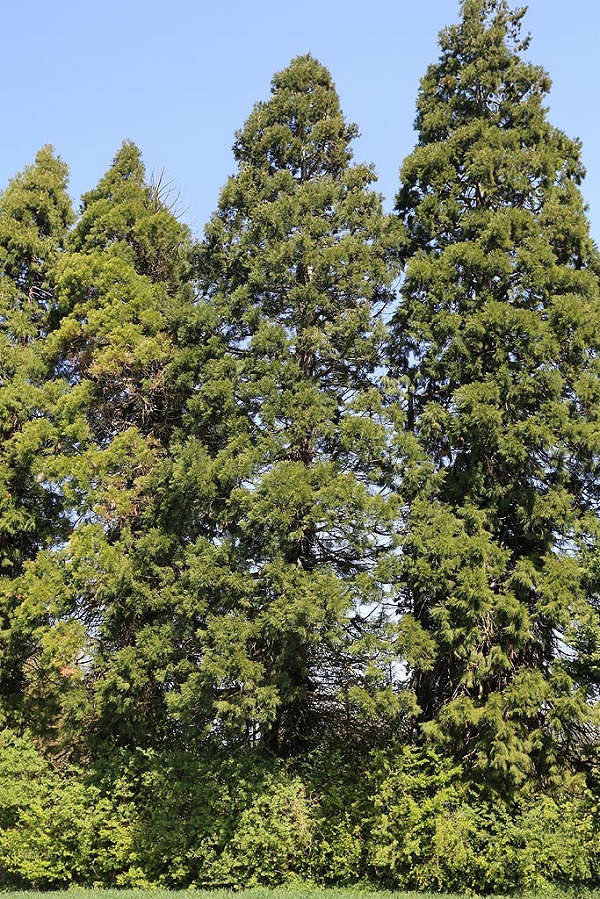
point(497, 339)
point(122, 281)
point(35, 212)
point(282, 582)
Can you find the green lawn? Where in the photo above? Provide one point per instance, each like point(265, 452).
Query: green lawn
point(256, 893)
point(269, 893)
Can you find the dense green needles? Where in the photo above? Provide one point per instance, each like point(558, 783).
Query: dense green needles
point(298, 522)
point(496, 338)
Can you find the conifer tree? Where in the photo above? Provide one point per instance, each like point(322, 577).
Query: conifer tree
point(35, 213)
point(287, 432)
point(497, 340)
point(121, 284)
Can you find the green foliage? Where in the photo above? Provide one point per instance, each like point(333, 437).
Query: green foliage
point(177, 820)
point(269, 616)
point(404, 819)
point(283, 458)
point(120, 286)
point(35, 212)
point(432, 831)
point(496, 339)
point(55, 829)
point(274, 837)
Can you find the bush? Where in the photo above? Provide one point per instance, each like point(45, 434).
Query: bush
point(403, 819)
point(220, 820)
point(431, 831)
point(55, 829)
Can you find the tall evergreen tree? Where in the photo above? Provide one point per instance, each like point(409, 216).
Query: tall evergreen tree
point(121, 284)
point(282, 580)
point(120, 287)
point(35, 213)
point(497, 339)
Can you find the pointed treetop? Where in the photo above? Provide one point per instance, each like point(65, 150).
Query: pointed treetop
point(497, 338)
point(480, 71)
point(124, 214)
point(492, 21)
point(35, 212)
point(125, 176)
point(109, 211)
point(302, 120)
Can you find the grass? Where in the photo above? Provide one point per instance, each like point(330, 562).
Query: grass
point(292, 892)
point(304, 892)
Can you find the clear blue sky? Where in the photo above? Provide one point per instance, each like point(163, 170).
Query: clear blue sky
point(179, 79)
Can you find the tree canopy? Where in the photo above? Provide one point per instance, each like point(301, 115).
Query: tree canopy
point(298, 520)
point(496, 336)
